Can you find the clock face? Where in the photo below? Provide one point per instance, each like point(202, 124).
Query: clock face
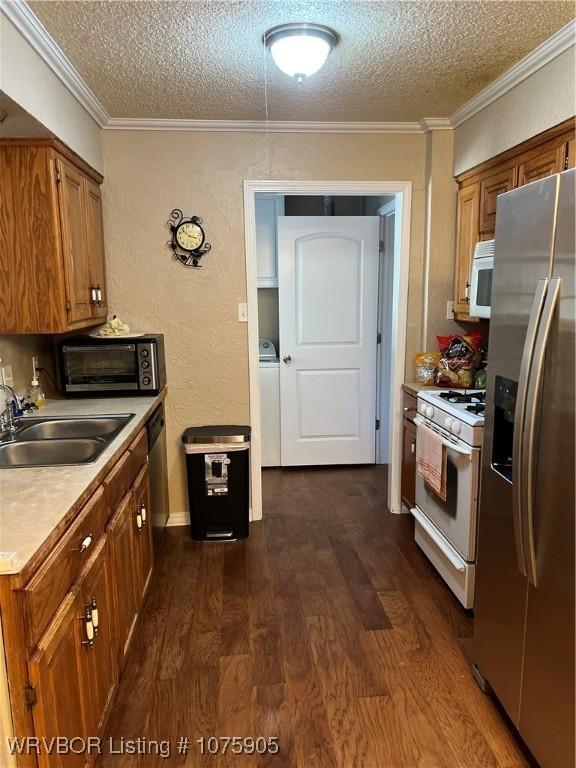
point(189, 236)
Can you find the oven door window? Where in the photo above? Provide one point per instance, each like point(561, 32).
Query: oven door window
point(101, 368)
point(456, 517)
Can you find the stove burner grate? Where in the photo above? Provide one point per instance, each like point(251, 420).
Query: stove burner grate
point(454, 396)
point(477, 409)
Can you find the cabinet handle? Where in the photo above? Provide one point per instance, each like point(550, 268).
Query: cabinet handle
point(467, 292)
point(94, 615)
point(98, 295)
point(413, 446)
point(88, 628)
point(93, 295)
point(139, 523)
point(85, 543)
point(143, 513)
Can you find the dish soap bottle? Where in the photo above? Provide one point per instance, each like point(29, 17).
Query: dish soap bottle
point(35, 392)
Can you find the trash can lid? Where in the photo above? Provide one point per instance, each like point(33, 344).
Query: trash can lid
point(219, 433)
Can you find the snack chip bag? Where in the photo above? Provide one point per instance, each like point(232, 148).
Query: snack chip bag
point(460, 358)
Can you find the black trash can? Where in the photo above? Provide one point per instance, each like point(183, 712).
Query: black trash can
point(218, 467)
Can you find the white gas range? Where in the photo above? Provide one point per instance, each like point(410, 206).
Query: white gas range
point(446, 530)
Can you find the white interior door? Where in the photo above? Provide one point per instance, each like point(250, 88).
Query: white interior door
point(328, 297)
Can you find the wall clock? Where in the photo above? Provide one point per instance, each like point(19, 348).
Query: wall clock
point(188, 238)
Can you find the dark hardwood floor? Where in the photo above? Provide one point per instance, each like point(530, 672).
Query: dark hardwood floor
point(327, 628)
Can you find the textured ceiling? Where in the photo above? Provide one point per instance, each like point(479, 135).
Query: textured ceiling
point(396, 60)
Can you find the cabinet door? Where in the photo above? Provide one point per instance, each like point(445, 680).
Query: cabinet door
point(490, 187)
point(409, 463)
point(122, 543)
point(95, 247)
point(467, 237)
point(143, 546)
point(541, 165)
point(71, 199)
point(59, 672)
point(268, 208)
point(97, 602)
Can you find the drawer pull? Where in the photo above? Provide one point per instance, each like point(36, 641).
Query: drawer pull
point(94, 615)
point(139, 523)
point(89, 628)
point(143, 513)
point(86, 542)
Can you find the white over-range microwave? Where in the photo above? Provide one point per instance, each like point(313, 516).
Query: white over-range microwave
point(481, 279)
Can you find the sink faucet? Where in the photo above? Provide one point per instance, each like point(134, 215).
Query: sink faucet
point(7, 415)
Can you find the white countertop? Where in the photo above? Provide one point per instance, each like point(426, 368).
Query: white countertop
point(35, 501)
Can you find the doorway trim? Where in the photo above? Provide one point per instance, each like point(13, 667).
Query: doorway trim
point(403, 192)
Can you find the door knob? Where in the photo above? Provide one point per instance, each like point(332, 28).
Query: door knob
point(287, 359)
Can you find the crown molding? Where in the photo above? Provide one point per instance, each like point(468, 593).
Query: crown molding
point(435, 124)
point(550, 49)
point(258, 126)
point(30, 27)
point(25, 21)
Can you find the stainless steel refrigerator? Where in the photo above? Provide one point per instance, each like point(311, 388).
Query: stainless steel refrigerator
point(524, 608)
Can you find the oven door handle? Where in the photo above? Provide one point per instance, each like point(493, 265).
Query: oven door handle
point(465, 450)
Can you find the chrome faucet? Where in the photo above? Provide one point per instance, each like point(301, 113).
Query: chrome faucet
point(7, 415)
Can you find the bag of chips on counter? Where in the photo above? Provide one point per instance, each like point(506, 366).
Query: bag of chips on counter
point(426, 364)
point(460, 358)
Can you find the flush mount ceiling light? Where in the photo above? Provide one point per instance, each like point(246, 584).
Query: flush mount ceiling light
point(300, 50)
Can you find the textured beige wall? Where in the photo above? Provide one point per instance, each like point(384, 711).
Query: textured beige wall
point(440, 238)
point(147, 173)
point(17, 351)
point(543, 100)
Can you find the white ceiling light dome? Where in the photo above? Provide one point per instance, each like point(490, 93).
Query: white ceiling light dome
point(300, 50)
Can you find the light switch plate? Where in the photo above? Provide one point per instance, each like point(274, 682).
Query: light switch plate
point(449, 310)
point(242, 312)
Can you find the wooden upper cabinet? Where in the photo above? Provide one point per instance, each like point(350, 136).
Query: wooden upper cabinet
point(73, 220)
point(496, 184)
point(95, 247)
point(51, 239)
point(538, 165)
point(479, 188)
point(466, 239)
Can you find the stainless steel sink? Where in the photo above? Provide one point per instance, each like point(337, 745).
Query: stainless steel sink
point(50, 429)
point(42, 453)
point(60, 441)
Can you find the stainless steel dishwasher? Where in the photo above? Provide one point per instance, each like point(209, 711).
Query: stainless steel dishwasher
point(158, 468)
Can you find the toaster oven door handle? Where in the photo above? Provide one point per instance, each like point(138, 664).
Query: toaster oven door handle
point(101, 348)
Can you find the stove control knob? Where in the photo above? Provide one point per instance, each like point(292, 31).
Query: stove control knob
point(448, 423)
point(456, 427)
point(422, 409)
point(429, 411)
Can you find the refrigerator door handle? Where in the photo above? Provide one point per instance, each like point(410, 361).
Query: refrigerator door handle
point(530, 427)
point(518, 501)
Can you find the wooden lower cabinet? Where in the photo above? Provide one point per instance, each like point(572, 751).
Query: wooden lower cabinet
point(122, 548)
point(58, 671)
point(97, 604)
point(143, 531)
point(409, 463)
point(65, 662)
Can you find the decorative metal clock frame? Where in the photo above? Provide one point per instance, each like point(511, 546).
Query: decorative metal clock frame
point(188, 257)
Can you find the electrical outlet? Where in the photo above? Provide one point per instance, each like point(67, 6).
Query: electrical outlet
point(449, 310)
point(242, 312)
point(7, 376)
